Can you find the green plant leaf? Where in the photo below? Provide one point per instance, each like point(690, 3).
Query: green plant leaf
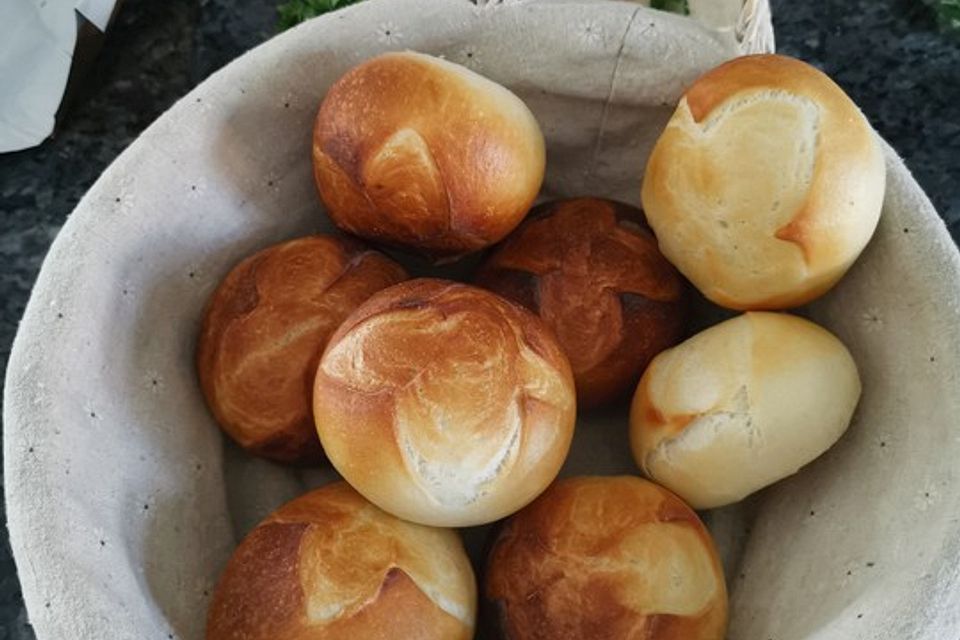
point(674, 6)
point(293, 12)
point(948, 14)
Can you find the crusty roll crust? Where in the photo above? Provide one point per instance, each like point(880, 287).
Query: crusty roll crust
point(331, 565)
point(615, 558)
point(766, 184)
point(591, 270)
point(741, 405)
point(418, 152)
point(264, 330)
point(445, 404)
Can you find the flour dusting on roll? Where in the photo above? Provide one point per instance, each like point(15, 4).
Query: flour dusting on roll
point(766, 184)
point(418, 152)
point(444, 403)
point(741, 405)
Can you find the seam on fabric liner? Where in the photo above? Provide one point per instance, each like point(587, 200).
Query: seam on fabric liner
point(613, 85)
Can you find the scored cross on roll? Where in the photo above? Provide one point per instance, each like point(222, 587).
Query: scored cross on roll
point(606, 558)
point(766, 184)
point(445, 404)
point(414, 151)
point(591, 270)
point(264, 330)
point(331, 565)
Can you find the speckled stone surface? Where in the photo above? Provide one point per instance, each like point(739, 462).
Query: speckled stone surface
point(886, 53)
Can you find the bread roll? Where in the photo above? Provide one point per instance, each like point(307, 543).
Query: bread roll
point(741, 405)
point(445, 404)
point(331, 565)
point(264, 330)
point(766, 184)
point(590, 268)
point(607, 559)
point(417, 152)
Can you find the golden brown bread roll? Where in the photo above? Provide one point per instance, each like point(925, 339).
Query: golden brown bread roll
point(614, 558)
point(445, 404)
point(418, 152)
point(766, 184)
point(590, 268)
point(741, 405)
point(331, 565)
point(264, 330)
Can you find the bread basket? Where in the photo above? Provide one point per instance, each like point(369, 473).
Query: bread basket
point(124, 501)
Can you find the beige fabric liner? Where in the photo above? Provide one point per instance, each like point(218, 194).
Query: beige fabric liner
point(124, 501)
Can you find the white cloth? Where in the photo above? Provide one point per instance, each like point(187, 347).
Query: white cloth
point(124, 503)
point(37, 39)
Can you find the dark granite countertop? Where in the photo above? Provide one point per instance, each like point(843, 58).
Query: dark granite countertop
point(886, 53)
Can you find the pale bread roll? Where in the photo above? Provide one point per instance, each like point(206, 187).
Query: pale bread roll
point(766, 184)
point(417, 152)
point(331, 565)
point(741, 405)
point(264, 329)
point(445, 404)
point(607, 559)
